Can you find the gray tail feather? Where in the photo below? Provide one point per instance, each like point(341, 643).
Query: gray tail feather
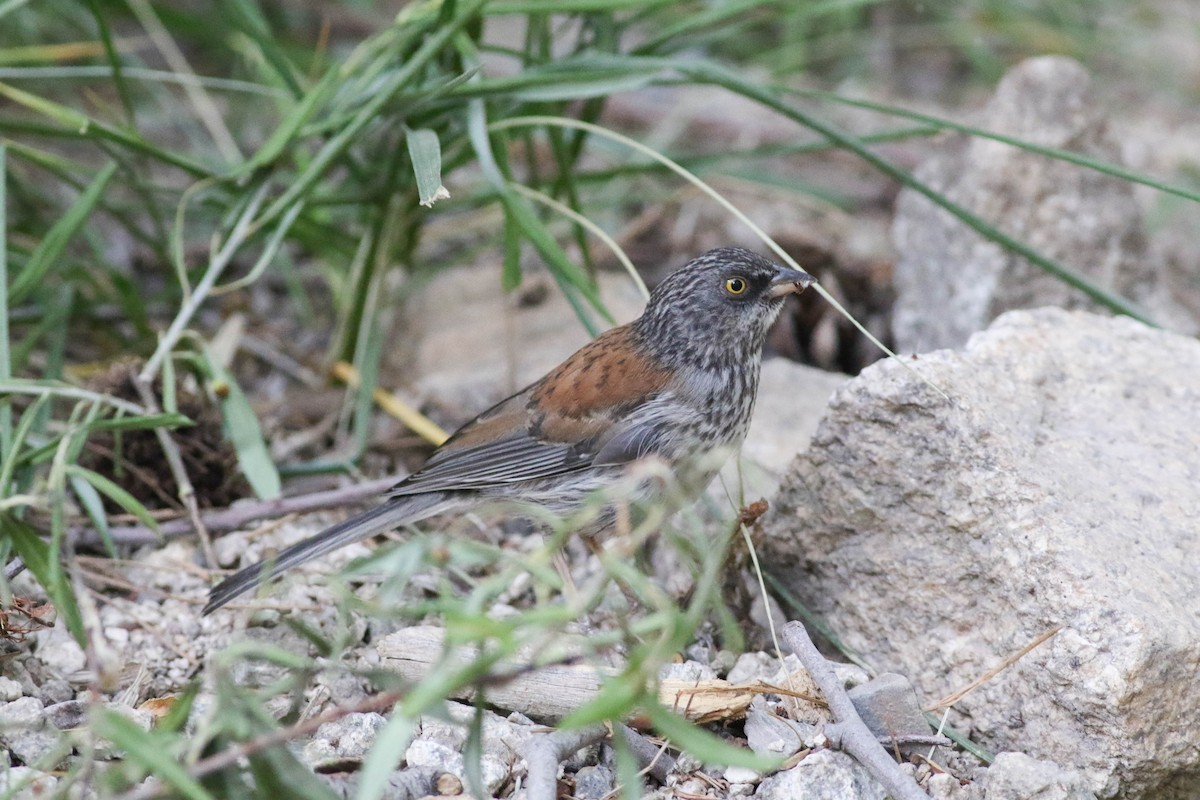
point(392, 514)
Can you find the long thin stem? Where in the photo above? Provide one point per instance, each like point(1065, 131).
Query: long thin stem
point(221, 260)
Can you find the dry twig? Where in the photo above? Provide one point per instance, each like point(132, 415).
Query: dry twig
point(849, 732)
point(543, 754)
point(235, 517)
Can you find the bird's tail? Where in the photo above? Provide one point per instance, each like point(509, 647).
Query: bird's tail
point(392, 514)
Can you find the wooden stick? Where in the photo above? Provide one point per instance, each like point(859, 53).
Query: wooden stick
point(849, 732)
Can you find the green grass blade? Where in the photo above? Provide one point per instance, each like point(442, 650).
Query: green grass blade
point(369, 113)
point(616, 696)
point(10, 457)
point(285, 135)
point(705, 746)
point(115, 493)
point(93, 507)
point(500, 7)
point(37, 554)
point(100, 17)
point(11, 6)
point(241, 425)
point(148, 422)
point(959, 738)
point(75, 123)
point(247, 17)
point(278, 773)
point(6, 431)
point(426, 154)
point(148, 751)
point(65, 391)
point(387, 751)
point(1070, 156)
point(48, 254)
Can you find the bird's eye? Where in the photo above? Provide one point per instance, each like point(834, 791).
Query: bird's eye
point(736, 286)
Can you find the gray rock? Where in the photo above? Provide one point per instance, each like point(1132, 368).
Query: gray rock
point(1057, 486)
point(772, 735)
point(1016, 776)
point(437, 756)
point(403, 784)
point(24, 730)
point(951, 282)
point(791, 401)
point(594, 783)
point(824, 775)
point(55, 690)
point(742, 775)
point(61, 654)
point(503, 738)
point(347, 738)
point(945, 786)
point(889, 707)
point(9, 689)
point(67, 715)
point(26, 783)
point(753, 666)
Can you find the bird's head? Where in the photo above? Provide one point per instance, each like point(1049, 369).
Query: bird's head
point(720, 303)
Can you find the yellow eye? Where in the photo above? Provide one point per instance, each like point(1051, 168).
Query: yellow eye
point(736, 286)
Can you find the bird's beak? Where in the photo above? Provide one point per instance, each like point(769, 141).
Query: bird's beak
point(789, 281)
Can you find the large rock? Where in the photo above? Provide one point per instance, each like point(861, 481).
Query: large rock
point(1057, 486)
point(1016, 776)
point(951, 281)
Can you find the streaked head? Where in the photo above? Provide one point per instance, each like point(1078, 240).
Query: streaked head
point(723, 301)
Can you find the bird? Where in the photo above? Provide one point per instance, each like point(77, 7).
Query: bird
point(677, 384)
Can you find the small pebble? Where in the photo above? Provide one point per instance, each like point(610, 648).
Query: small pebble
point(449, 785)
point(9, 690)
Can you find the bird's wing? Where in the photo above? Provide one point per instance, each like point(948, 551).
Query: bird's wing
point(590, 410)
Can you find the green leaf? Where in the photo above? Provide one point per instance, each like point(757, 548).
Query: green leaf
point(289, 129)
point(510, 277)
point(247, 17)
point(6, 431)
point(93, 506)
point(278, 773)
point(115, 493)
point(147, 750)
point(147, 422)
point(707, 747)
point(35, 553)
point(177, 715)
point(10, 458)
point(426, 155)
point(385, 754)
point(76, 123)
point(569, 277)
point(241, 425)
point(583, 88)
point(615, 700)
